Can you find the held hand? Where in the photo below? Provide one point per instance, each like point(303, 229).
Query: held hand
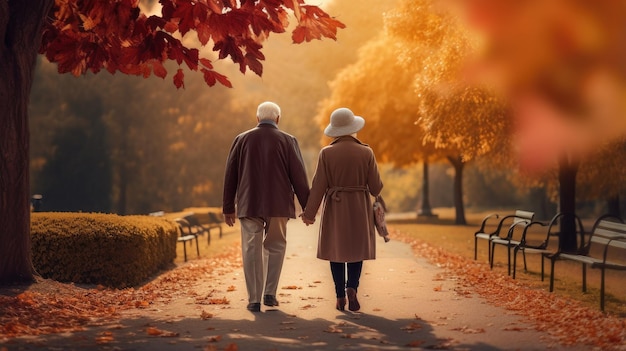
point(307, 221)
point(230, 219)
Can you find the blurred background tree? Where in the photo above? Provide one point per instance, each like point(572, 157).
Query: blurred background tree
point(389, 65)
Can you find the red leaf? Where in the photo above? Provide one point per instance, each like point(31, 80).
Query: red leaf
point(315, 24)
point(185, 13)
point(206, 62)
point(179, 79)
point(204, 32)
point(228, 47)
point(255, 65)
point(158, 69)
point(211, 77)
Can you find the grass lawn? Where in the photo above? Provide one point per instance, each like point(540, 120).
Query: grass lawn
point(459, 239)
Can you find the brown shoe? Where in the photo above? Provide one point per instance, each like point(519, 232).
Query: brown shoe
point(353, 303)
point(341, 303)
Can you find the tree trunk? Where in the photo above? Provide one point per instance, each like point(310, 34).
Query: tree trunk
point(20, 37)
point(568, 168)
point(458, 164)
point(613, 207)
point(425, 209)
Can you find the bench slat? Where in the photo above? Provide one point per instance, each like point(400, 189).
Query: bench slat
point(606, 234)
point(614, 227)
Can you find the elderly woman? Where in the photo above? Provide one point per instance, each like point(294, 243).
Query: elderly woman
point(345, 178)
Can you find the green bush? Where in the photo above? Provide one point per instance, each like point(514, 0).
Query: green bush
point(107, 249)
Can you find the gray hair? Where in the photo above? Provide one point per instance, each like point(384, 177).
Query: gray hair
point(268, 111)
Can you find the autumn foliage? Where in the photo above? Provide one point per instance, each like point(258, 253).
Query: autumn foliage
point(118, 36)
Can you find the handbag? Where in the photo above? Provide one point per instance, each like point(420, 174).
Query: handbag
point(379, 217)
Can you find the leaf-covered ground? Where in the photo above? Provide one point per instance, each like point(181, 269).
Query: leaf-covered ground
point(52, 307)
point(49, 307)
point(570, 321)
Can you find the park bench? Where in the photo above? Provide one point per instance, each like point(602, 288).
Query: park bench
point(186, 234)
point(195, 227)
point(509, 241)
point(215, 222)
point(482, 232)
point(604, 249)
point(539, 243)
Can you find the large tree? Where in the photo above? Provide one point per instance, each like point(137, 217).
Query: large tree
point(117, 36)
point(379, 88)
point(406, 82)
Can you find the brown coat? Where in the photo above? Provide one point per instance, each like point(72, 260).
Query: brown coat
point(263, 171)
point(345, 177)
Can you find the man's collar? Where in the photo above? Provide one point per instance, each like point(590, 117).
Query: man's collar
point(268, 121)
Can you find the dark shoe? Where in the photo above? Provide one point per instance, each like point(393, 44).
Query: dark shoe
point(254, 307)
point(270, 300)
point(341, 303)
point(353, 303)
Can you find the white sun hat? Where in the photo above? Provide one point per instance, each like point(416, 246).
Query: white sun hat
point(343, 122)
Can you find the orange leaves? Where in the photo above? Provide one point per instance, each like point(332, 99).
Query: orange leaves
point(215, 338)
point(566, 319)
point(206, 315)
point(415, 343)
point(53, 307)
point(104, 338)
point(153, 331)
point(210, 300)
point(291, 287)
point(219, 301)
point(412, 327)
point(141, 304)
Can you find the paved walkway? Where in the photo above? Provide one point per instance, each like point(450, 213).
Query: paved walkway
point(405, 305)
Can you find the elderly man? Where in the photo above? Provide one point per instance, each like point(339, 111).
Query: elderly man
point(263, 171)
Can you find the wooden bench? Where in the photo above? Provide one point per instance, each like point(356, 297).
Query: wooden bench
point(215, 222)
point(539, 243)
point(195, 227)
point(482, 232)
point(186, 234)
point(510, 240)
point(605, 249)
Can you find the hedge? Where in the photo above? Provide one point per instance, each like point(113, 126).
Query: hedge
point(106, 249)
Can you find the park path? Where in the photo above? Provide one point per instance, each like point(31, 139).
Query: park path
point(407, 303)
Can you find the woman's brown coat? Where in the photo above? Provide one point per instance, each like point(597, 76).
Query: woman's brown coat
point(345, 179)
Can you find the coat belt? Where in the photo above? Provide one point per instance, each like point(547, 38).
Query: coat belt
point(333, 192)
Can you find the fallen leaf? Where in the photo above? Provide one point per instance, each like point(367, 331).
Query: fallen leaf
point(291, 287)
point(157, 332)
point(467, 330)
point(333, 330)
point(215, 338)
point(411, 327)
point(415, 343)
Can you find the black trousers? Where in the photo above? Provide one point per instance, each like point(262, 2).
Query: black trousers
point(338, 270)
